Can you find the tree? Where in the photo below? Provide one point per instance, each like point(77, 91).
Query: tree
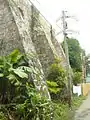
point(74, 53)
point(87, 64)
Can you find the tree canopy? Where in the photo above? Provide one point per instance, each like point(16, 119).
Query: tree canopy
point(74, 53)
point(87, 64)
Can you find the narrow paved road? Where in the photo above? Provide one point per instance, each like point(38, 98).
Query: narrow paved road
point(83, 113)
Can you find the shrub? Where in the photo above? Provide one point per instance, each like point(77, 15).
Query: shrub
point(2, 116)
point(77, 78)
point(52, 87)
point(57, 75)
point(18, 97)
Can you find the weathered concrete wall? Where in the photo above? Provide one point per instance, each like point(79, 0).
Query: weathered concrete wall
point(42, 42)
point(9, 34)
point(46, 45)
point(23, 27)
point(59, 50)
point(15, 33)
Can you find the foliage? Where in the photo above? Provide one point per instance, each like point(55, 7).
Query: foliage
point(77, 78)
point(87, 64)
point(18, 97)
point(62, 112)
point(13, 74)
point(34, 107)
point(52, 87)
point(57, 75)
point(2, 116)
point(74, 53)
point(76, 102)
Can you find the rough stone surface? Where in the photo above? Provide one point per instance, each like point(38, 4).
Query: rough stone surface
point(47, 47)
point(42, 43)
point(9, 34)
point(21, 11)
point(23, 27)
point(59, 50)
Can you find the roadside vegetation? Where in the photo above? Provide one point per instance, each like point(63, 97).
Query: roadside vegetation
point(19, 98)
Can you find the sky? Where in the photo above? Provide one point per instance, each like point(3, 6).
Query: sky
point(52, 10)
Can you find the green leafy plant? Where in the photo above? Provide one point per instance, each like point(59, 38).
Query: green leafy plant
point(56, 80)
point(53, 87)
point(77, 78)
point(57, 74)
point(2, 116)
point(34, 107)
point(18, 97)
point(12, 73)
point(75, 52)
point(60, 111)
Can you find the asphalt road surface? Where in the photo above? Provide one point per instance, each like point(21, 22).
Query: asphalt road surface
point(83, 113)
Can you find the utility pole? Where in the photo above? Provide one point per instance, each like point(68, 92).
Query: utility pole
point(67, 57)
point(64, 31)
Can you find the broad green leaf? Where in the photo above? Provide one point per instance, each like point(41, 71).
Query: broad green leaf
point(1, 66)
point(20, 73)
point(11, 77)
point(51, 83)
point(28, 69)
point(1, 74)
point(54, 90)
point(17, 83)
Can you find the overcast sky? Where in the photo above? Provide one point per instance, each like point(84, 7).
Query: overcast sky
point(79, 8)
